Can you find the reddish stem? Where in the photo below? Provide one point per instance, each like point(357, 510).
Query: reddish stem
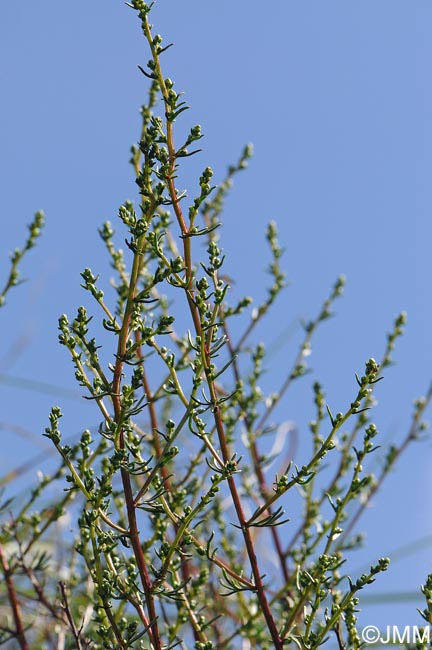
point(14, 602)
point(153, 631)
point(258, 469)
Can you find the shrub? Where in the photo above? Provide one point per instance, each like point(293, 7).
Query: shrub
point(183, 538)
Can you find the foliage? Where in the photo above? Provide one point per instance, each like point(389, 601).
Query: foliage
point(182, 535)
point(13, 277)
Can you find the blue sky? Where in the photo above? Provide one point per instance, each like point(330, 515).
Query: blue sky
point(335, 96)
